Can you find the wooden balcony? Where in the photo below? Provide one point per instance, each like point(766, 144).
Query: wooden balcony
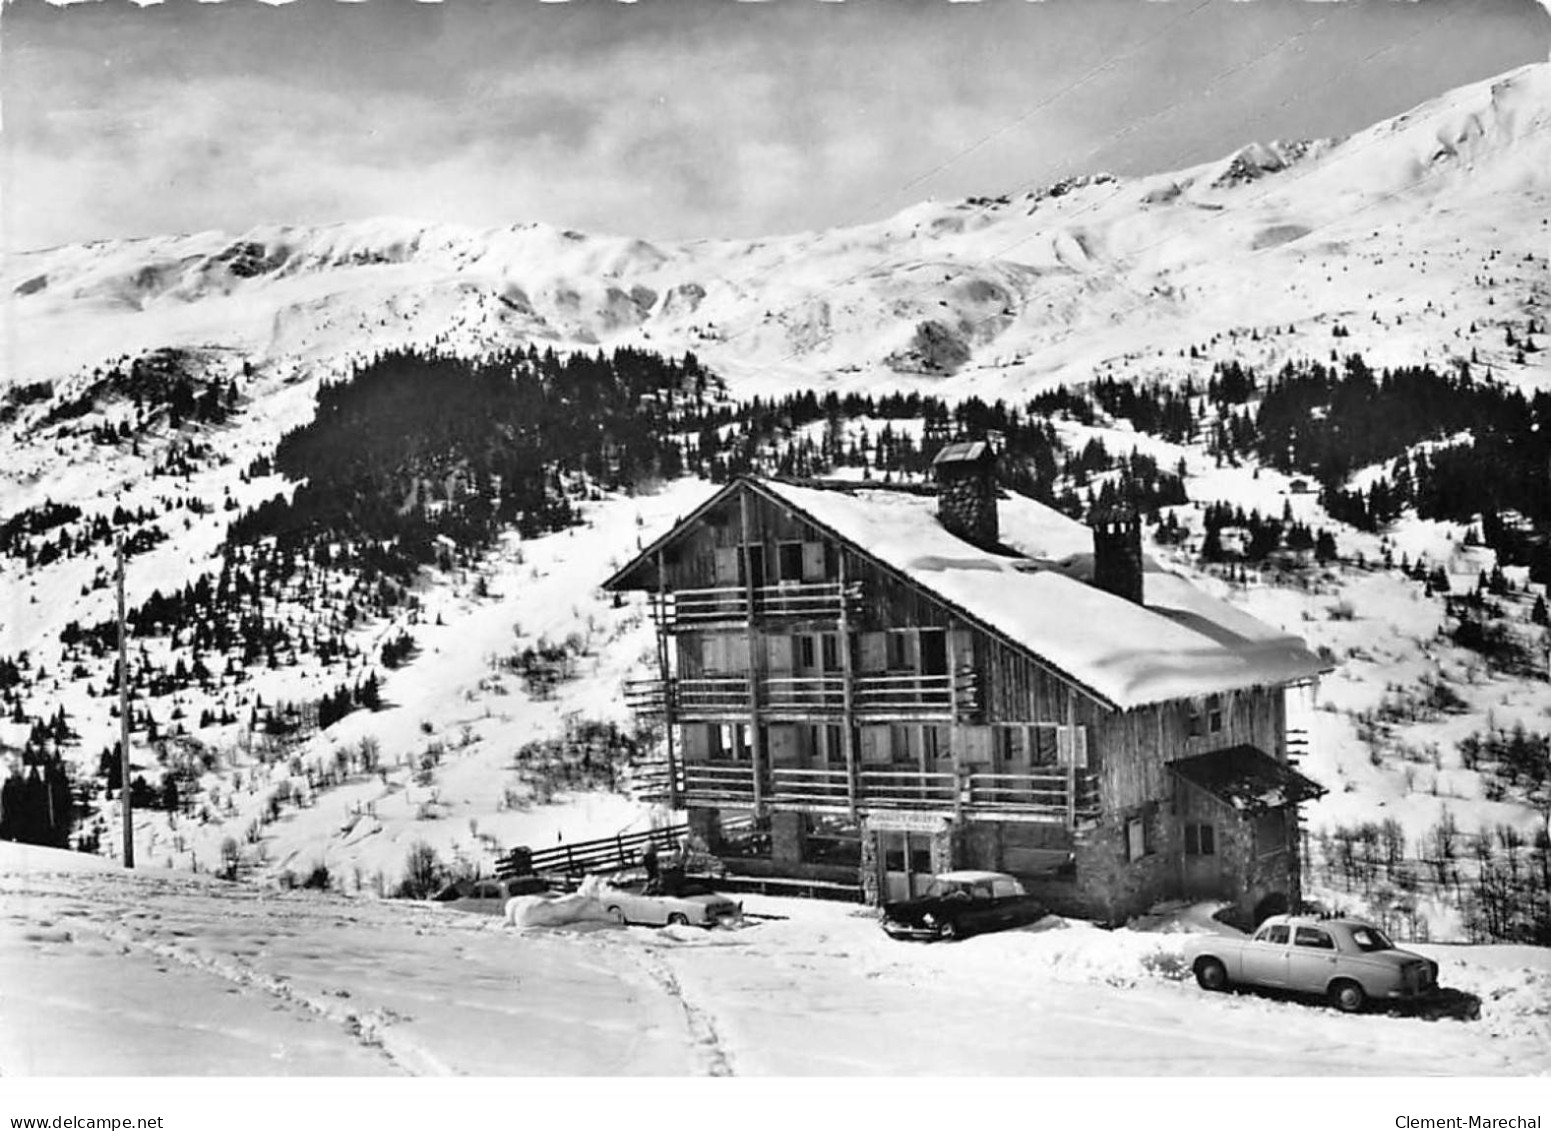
point(691, 609)
point(1055, 796)
point(817, 789)
point(1059, 795)
point(873, 696)
point(726, 783)
point(906, 789)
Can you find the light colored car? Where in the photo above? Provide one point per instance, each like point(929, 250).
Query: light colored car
point(488, 897)
point(1348, 961)
point(631, 898)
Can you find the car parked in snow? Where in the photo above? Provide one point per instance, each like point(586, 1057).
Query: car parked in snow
point(488, 897)
point(631, 897)
point(958, 904)
point(1348, 961)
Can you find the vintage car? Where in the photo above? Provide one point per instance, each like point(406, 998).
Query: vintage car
point(1348, 961)
point(488, 897)
point(958, 904)
point(632, 897)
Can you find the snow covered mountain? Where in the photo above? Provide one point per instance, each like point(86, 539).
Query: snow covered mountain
point(1422, 235)
point(1419, 239)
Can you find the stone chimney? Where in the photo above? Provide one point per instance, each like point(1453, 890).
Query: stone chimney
point(1117, 551)
point(966, 491)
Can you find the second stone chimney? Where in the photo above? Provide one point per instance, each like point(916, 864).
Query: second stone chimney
point(966, 491)
point(1117, 551)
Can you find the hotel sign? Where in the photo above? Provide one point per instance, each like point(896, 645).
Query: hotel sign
point(897, 822)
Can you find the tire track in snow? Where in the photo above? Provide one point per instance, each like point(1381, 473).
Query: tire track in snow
point(369, 1028)
point(715, 1055)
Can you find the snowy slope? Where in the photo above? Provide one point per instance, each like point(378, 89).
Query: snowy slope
point(111, 973)
point(1403, 231)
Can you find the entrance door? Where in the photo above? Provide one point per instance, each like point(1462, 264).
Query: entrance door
point(906, 859)
point(1204, 874)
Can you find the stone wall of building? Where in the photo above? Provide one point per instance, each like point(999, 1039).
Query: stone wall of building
point(1114, 888)
point(872, 894)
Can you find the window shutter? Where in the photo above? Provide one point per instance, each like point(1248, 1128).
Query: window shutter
point(975, 745)
point(727, 565)
point(875, 744)
point(1072, 746)
point(874, 652)
point(813, 561)
point(778, 653)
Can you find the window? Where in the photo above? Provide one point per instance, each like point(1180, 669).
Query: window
point(789, 561)
point(806, 653)
point(1370, 939)
point(1271, 832)
point(904, 743)
point(898, 655)
point(935, 742)
point(730, 740)
point(1010, 745)
point(830, 649)
point(1044, 747)
point(1314, 937)
point(1274, 933)
point(1200, 839)
point(1206, 716)
point(1214, 714)
point(933, 643)
point(831, 840)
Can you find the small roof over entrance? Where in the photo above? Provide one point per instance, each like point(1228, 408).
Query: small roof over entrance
point(1247, 778)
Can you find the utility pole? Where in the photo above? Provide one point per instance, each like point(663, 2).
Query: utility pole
point(123, 717)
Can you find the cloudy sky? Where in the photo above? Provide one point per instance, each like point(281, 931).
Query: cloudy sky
point(675, 118)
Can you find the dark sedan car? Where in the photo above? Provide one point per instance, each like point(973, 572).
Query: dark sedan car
point(958, 904)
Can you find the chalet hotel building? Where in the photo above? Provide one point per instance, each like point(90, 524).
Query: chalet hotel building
point(862, 686)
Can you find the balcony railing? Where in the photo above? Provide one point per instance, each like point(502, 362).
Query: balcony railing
point(706, 782)
point(787, 600)
point(871, 695)
point(1060, 796)
point(809, 787)
point(711, 695)
point(906, 789)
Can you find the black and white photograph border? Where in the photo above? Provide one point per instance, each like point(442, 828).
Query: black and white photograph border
point(846, 541)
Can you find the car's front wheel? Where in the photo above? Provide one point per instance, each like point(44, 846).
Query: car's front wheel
point(948, 930)
point(1211, 974)
point(618, 916)
point(678, 920)
point(1347, 996)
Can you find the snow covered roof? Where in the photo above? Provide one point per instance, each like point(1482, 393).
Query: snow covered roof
point(963, 451)
point(1180, 643)
point(1247, 778)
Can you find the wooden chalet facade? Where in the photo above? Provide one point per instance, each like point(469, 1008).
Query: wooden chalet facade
point(873, 685)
